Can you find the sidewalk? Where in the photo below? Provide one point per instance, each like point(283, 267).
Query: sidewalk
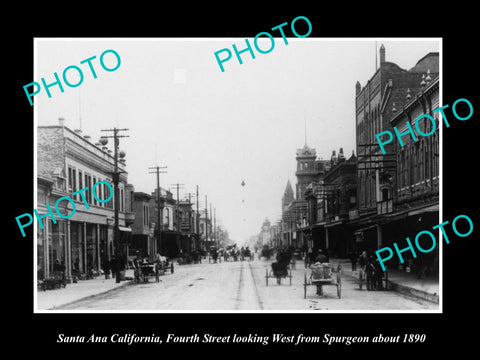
point(52, 299)
point(401, 281)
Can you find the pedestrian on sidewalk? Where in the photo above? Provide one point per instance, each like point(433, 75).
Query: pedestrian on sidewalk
point(106, 268)
point(378, 275)
point(114, 267)
point(370, 273)
point(353, 260)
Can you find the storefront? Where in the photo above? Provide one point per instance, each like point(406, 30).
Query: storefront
point(51, 246)
point(91, 247)
point(77, 248)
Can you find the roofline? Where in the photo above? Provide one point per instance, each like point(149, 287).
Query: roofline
point(414, 99)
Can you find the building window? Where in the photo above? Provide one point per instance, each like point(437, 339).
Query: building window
point(87, 196)
point(70, 186)
point(80, 183)
point(167, 216)
point(94, 200)
point(89, 191)
point(99, 191)
point(108, 204)
point(122, 205)
point(145, 217)
point(131, 200)
point(384, 194)
point(421, 161)
point(428, 143)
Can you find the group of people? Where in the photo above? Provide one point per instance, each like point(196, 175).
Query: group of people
point(371, 267)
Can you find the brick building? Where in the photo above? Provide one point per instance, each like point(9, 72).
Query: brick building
point(376, 103)
point(66, 163)
point(387, 92)
point(416, 200)
point(330, 200)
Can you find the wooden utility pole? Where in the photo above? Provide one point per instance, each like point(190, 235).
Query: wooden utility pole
point(159, 208)
point(206, 221)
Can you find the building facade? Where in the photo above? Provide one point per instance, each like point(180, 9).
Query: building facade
point(143, 229)
point(379, 176)
point(376, 103)
point(66, 163)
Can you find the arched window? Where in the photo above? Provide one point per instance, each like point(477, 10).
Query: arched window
point(167, 216)
point(420, 161)
point(384, 194)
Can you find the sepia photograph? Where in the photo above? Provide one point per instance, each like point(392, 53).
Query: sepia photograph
point(274, 174)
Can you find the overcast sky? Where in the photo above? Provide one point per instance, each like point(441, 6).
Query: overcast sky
point(212, 128)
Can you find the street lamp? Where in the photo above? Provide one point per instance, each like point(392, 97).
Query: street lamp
point(115, 179)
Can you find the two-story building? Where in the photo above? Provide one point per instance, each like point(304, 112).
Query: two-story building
point(67, 161)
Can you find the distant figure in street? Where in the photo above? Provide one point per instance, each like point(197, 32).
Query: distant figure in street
point(321, 257)
point(310, 256)
point(362, 260)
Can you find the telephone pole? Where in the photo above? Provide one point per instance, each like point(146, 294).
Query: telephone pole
point(115, 179)
point(215, 226)
point(206, 221)
point(191, 222)
point(158, 247)
point(212, 236)
point(197, 222)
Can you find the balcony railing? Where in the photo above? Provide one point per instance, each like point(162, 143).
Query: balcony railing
point(385, 207)
point(353, 214)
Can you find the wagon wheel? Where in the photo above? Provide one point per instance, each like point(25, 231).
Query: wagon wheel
point(305, 287)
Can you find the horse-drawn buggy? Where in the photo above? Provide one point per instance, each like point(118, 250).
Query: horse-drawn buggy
point(246, 253)
point(266, 252)
point(231, 253)
point(322, 274)
point(280, 269)
point(143, 269)
point(214, 255)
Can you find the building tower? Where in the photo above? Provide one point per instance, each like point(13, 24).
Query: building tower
point(288, 196)
point(306, 169)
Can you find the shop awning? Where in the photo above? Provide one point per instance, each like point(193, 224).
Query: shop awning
point(334, 223)
point(432, 208)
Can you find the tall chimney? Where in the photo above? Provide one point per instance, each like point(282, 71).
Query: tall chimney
point(61, 121)
point(358, 88)
point(382, 54)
